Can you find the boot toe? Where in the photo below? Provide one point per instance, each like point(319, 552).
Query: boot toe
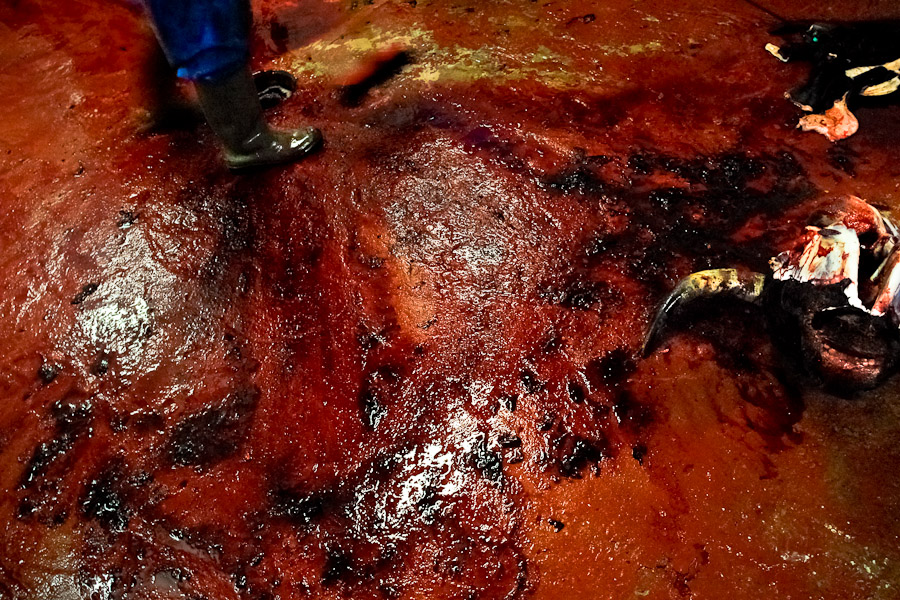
point(280, 147)
point(304, 141)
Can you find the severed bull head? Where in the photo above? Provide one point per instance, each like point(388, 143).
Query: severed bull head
point(848, 61)
point(834, 298)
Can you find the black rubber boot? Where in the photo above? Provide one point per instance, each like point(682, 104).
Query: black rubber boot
point(232, 109)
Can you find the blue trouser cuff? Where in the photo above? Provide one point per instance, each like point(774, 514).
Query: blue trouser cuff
point(203, 39)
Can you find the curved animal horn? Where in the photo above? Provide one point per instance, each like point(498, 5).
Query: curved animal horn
point(733, 283)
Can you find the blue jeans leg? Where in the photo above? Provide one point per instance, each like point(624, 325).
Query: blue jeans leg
point(205, 40)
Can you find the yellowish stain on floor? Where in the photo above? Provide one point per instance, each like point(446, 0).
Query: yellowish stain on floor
point(332, 59)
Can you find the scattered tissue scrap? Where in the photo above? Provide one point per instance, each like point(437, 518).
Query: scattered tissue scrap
point(836, 123)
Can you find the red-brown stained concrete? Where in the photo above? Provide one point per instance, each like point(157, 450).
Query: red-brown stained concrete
point(408, 366)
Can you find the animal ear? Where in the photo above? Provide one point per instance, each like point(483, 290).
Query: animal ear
point(791, 28)
point(820, 29)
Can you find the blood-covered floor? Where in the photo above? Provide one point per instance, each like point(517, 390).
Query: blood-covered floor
point(409, 366)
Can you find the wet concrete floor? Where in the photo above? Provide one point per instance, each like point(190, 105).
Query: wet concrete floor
point(408, 367)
